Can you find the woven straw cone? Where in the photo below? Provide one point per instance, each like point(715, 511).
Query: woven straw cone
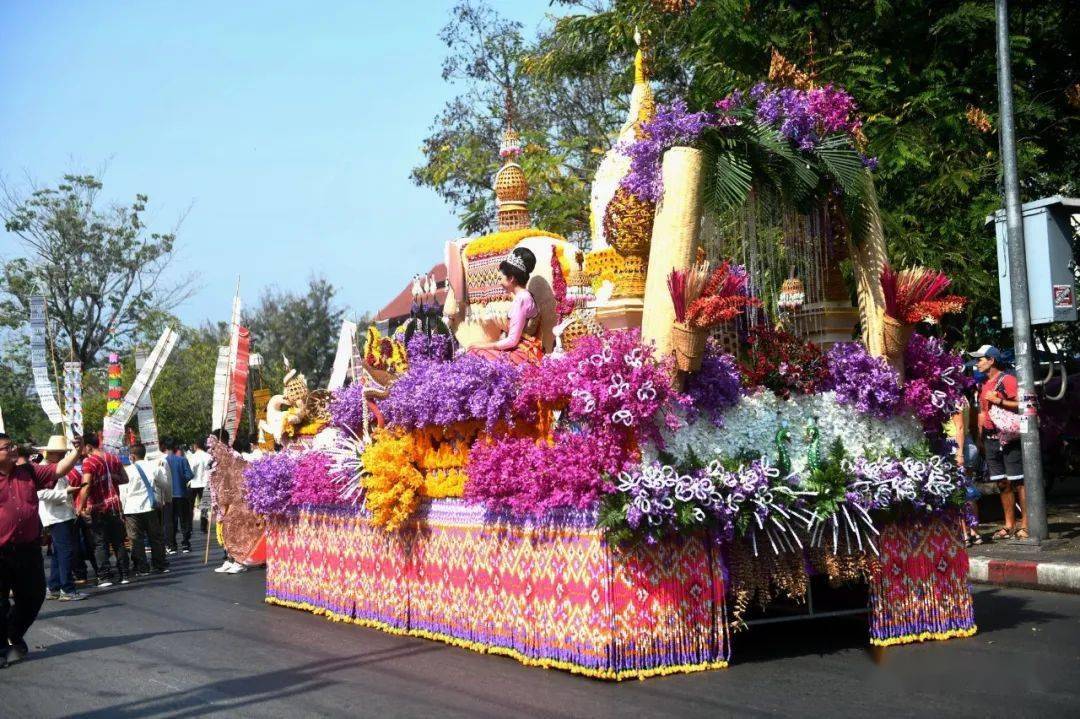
point(513, 219)
point(510, 184)
point(689, 346)
point(295, 392)
point(895, 336)
point(573, 333)
point(674, 237)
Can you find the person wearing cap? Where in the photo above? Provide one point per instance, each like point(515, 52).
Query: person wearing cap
point(22, 573)
point(58, 517)
point(1004, 461)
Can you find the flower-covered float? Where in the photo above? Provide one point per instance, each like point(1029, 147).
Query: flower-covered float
point(620, 506)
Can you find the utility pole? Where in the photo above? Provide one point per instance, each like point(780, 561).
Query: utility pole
point(1021, 314)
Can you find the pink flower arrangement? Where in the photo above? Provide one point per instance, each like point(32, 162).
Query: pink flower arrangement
point(528, 478)
point(312, 483)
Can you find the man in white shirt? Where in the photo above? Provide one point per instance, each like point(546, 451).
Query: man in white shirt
point(143, 496)
point(200, 461)
point(57, 515)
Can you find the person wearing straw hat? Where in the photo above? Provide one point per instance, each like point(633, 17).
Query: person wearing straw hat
point(58, 516)
point(22, 574)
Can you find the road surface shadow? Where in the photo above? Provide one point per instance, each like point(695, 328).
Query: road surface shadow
point(996, 610)
point(88, 644)
point(87, 607)
point(228, 695)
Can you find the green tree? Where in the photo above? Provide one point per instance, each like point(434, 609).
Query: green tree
point(564, 122)
point(102, 271)
point(302, 327)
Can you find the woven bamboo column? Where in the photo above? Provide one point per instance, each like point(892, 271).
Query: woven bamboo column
point(868, 260)
point(674, 238)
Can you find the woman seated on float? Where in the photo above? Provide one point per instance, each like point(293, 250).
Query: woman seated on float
point(521, 343)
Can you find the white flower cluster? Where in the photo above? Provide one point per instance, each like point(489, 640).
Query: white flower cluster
point(752, 424)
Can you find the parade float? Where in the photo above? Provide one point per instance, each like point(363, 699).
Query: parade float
point(703, 440)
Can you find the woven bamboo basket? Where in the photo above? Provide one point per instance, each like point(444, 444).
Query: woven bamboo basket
point(895, 338)
point(689, 346)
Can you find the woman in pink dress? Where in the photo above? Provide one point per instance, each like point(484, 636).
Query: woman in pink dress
point(521, 343)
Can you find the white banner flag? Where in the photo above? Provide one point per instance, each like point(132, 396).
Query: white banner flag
point(144, 380)
point(221, 389)
point(73, 398)
point(147, 423)
point(345, 343)
point(1, 421)
point(39, 360)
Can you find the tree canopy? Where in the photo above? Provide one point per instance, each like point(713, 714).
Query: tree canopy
point(104, 274)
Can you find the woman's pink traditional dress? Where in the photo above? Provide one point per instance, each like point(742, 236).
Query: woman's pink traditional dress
point(521, 343)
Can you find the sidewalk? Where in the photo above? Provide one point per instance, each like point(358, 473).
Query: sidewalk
point(1054, 567)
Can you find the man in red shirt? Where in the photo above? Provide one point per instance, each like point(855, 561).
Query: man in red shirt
point(98, 502)
point(22, 573)
point(1004, 460)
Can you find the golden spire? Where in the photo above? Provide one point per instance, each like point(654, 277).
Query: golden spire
point(511, 187)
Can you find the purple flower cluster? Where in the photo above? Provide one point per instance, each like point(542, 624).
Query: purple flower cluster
point(659, 501)
point(612, 382)
point(347, 407)
point(887, 483)
point(806, 117)
point(268, 483)
point(935, 384)
point(863, 381)
point(434, 347)
point(671, 126)
point(716, 387)
point(444, 393)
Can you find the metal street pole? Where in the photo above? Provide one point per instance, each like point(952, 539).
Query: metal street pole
point(1021, 314)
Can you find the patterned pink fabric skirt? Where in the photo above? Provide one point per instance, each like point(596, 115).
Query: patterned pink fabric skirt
point(528, 350)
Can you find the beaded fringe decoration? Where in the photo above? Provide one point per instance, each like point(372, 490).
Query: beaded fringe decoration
point(550, 593)
point(921, 589)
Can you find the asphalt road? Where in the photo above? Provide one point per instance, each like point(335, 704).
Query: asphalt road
point(195, 643)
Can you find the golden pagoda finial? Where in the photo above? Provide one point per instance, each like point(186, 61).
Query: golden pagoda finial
point(511, 187)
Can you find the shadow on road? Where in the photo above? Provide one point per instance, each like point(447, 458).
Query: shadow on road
point(996, 610)
point(117, 640)
point(88, 607)
point(229, 695)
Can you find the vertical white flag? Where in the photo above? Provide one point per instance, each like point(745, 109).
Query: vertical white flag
point(39, 360)
point(73, 398)
point(346, 342)
point(148, 434)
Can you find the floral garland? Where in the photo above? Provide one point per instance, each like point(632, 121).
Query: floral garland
point(527, 477)
point(500, 243)
point(610, 383)
point(385, 353)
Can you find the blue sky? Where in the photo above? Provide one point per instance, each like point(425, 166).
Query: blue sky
point(285, 130)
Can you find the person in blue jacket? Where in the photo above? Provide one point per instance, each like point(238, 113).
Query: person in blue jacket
point(179, 511)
